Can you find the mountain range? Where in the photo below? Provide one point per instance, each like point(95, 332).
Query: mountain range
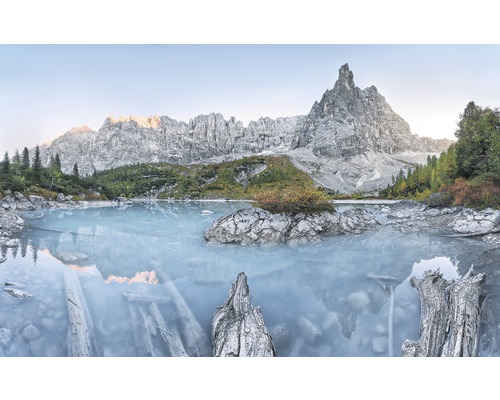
point(351, 140)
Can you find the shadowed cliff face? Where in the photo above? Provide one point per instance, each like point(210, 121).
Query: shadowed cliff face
point(349, 125)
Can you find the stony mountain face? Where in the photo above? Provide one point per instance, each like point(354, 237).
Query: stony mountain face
point(351, 140)
point(348, 122)
point(436, 145)
point(132, 140)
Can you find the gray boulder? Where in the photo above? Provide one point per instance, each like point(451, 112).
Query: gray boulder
point(9, 223)
point(37, 201)
point(22, 203)
point(472, 221)
point(258, 226)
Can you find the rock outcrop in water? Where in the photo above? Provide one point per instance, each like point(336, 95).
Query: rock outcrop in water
point(409, 215)
point(350, 140)
point(473, 221)
point(258, 226)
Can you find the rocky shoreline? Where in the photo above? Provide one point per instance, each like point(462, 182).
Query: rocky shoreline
point(255, 226)
point(14, 204)
point(260, 227)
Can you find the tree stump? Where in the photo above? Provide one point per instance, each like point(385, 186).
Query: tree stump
point(238, 328)
point(450, 316)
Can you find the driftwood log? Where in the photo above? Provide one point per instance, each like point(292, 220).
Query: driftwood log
point(238, 328)
point(450, 316)
point(152, 334)
point(169, 335)
point(81, 329)
point(196, 342)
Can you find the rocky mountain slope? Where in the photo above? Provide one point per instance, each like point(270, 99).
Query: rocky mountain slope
point(351, 140)
point(348, 122)
point(205, 138)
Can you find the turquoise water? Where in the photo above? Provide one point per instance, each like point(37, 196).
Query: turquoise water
point(318, 300)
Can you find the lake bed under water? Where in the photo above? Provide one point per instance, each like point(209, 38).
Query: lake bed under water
point(328, 299)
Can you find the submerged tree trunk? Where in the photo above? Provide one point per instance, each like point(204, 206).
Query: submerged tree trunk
point(238, 328)
point(80, 329)
point(196, 342)
point(450, 316)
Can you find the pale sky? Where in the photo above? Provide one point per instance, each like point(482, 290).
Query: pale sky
point(45, 90)
point(277, 59)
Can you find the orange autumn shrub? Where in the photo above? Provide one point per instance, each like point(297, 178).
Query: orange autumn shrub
point(475, 193)
point(305, 200)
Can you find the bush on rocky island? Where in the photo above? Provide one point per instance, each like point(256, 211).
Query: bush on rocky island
point(306, 200)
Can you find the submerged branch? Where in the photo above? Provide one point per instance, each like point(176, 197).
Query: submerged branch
point(80, 329)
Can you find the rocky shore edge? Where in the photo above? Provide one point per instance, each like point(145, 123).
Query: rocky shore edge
point(13, 205)
point(255, 226)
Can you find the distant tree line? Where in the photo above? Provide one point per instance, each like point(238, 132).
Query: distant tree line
point(469, 171)
point(232, 179)
point(26, 173)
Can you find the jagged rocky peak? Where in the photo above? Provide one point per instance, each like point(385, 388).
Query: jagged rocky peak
point(348, 122)
point(436, 145)
point(143, 122)
point(80, 129)
point(350, 140)
point(345, 83)
point(129, 140)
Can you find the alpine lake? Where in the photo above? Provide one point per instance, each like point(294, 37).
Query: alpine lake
point(346, 296)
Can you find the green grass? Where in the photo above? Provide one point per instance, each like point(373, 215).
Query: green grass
point(238, 179)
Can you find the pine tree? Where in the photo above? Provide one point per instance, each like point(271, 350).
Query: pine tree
point(76, 174)
point(52, 162)
point(25, 162)
point(6, 164)
point(16, 160)
point(37, 166)
point(478, 134)
point(58, 162)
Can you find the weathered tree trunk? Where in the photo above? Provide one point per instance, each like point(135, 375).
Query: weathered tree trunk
point(196, 342)
point(434, 316)
point(450, 316)
point(149, 333)
point(238, 328)
point(463, 339)
point(80, 329)
point(170, 336)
